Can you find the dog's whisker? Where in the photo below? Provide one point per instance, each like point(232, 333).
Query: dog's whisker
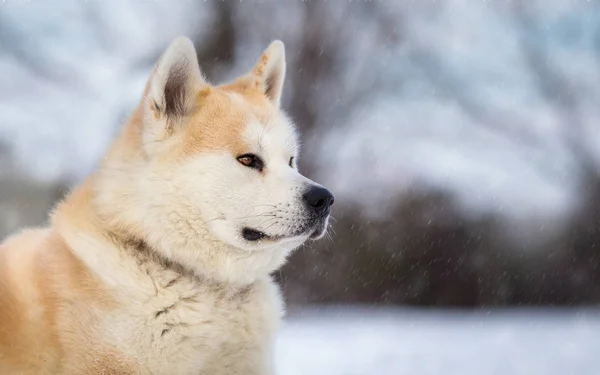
point(270, 226)
point(273, 213)
point(268, 221)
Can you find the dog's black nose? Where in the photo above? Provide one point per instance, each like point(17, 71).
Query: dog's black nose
point(318, 198)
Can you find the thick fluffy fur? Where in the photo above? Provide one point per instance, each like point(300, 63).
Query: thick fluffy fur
point(144, 268)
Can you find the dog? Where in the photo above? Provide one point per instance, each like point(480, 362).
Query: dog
point(160, 261)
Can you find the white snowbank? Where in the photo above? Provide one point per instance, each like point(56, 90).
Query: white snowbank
point(349, 341)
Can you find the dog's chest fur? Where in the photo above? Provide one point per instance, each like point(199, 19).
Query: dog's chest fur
point(177, 324)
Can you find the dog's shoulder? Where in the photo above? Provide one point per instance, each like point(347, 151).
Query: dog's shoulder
point(46, 295)
point(23, 314)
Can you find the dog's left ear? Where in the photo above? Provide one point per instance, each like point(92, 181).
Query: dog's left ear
point(270, 71)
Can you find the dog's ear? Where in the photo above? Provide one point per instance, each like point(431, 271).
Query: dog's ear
point(270, 71)
point(174, 83)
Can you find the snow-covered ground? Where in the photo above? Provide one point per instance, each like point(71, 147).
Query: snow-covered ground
point(439, 342)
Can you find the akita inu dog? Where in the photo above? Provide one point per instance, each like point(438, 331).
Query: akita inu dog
point(159, 262)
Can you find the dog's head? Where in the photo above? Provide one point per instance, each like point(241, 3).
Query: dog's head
point(223, 159)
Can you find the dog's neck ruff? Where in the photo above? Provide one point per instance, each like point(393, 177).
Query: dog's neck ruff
point(144, 253)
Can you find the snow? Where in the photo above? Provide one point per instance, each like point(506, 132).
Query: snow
point(368, 341)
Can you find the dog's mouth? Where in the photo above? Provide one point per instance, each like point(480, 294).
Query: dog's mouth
point(314, 229)
point(253, 235)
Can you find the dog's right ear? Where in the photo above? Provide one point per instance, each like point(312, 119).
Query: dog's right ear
point(173, 86)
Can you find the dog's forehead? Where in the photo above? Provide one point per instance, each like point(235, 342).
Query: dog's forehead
point(239, 122)
point(274, 138)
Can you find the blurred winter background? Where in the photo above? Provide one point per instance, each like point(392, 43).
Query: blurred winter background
point(461, 138)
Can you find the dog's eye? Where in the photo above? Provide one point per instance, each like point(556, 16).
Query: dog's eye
point(292, 162)
point(251, 161)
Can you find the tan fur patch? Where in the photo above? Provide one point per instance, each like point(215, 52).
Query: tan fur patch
point(259, 69)
point(23, 320)
point(220, 121)
point(38, 276)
